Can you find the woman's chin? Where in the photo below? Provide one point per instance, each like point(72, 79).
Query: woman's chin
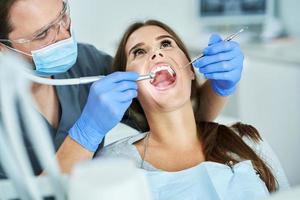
point(164, 103)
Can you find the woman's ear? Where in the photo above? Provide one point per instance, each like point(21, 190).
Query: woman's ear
point(192, 72)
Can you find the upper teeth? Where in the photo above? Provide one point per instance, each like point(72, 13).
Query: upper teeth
point(161, 68)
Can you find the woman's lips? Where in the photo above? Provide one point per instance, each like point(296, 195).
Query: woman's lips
point(165, 77)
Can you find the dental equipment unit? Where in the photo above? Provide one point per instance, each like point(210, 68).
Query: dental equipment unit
point(74, 81)
point(96, 179)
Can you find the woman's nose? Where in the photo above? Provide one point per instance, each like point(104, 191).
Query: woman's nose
point(157, 54)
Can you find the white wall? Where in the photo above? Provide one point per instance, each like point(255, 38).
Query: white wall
point(269, 99)
point(103, 22)
point(290, 15)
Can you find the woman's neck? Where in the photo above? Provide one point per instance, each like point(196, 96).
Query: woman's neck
point(175, 127)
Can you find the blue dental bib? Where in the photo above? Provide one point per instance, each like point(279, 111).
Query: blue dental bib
point(208, 181)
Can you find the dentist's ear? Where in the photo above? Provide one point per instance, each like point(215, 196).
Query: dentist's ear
point(2, 47)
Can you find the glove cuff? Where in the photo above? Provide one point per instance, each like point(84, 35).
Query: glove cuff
point(84, 135)
point(222, 92)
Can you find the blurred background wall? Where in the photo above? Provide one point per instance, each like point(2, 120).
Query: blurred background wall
point(269, 92)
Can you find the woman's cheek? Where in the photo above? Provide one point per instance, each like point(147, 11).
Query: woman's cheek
point(137, 66)
point(132, 67)
point(143, 95)
point(179, 57)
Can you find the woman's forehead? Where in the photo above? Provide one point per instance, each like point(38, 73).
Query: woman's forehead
point(145, 34)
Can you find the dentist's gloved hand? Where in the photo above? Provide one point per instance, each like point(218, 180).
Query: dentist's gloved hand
point(107, 102)
point(222, 64)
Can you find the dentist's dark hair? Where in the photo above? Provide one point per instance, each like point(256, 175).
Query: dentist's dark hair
point(222, 144)
point(5, 26)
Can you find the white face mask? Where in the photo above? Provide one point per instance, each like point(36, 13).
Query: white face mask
point(208, 180)
point(54, 59)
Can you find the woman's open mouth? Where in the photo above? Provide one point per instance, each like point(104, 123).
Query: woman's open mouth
point(165, 77)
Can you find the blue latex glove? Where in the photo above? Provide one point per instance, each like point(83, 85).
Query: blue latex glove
point(107, 102)
point(222, 64)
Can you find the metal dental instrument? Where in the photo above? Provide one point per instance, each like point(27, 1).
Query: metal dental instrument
point(151, 75)
point(229, 38)
point(76, 81)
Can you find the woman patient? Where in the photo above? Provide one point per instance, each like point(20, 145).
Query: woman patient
point(185, 158)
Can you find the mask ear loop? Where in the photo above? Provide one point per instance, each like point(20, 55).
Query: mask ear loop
point(16, 50)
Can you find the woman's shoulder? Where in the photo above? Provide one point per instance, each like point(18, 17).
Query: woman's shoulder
point(262, 148)
point(122, 148)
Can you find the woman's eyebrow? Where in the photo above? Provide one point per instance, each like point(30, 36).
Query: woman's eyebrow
point(164, 36)
point(142, 43)
point(136, 46)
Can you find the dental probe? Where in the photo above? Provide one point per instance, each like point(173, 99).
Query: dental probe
point(229, 38)
point(76, 81)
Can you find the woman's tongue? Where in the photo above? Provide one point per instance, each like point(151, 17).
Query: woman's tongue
point(163, 79)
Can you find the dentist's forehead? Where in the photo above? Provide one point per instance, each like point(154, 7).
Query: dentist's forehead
point(29, 16)
point(145, 34)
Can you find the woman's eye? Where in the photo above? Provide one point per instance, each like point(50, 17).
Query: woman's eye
point(166, 44)
point(138, 52)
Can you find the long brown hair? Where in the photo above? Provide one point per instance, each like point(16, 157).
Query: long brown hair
point(222, 144)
